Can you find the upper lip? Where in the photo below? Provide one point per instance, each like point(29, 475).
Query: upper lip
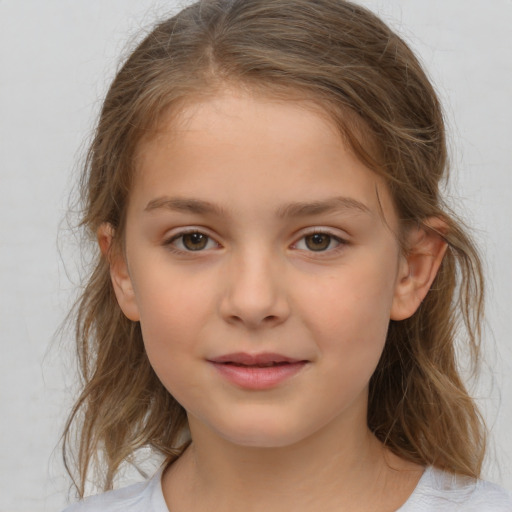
point(245, 359)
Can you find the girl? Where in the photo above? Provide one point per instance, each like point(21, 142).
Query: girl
point(279, 284)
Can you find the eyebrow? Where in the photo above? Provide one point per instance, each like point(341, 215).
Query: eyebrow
point(297, 209)
point(330, 205)
point(187, 205)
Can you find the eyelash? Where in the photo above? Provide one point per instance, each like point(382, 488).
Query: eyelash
point(170, 244)
point(332, 238)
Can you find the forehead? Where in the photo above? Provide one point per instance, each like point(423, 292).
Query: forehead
point(232, 106)
point(240, 144)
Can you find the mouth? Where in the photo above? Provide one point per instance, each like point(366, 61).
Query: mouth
point(258, 371)
point(263, 360)
point(260, 365)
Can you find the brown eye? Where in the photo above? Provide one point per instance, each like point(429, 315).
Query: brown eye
point(191, 241)
point(318, 241)
point(194, 241)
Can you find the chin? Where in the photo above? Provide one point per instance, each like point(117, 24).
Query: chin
point(262, 434)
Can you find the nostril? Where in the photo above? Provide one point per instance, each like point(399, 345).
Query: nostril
point(252, 308)
point(269, 319)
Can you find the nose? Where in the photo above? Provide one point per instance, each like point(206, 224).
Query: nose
point(254, 291)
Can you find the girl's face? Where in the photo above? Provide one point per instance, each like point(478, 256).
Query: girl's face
point(261, 262)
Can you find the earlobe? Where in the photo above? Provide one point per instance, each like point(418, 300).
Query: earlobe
point(419, 267)
point(119, 274)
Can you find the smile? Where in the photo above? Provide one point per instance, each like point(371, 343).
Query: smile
point(257, 372)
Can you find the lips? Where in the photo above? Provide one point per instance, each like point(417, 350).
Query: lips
point(257, 371)
point(264, 359)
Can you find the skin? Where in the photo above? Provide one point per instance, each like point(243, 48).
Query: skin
point(263, 283)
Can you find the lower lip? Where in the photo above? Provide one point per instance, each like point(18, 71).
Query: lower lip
point(257, 377)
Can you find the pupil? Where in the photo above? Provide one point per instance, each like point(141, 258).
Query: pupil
point(318, 242)
point(195, 241)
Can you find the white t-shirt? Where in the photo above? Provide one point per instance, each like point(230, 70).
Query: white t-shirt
point(436, 491)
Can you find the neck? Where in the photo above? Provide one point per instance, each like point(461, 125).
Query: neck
point(336, 469)
point(252, 470)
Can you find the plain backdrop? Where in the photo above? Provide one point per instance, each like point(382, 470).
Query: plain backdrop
point(56, 59)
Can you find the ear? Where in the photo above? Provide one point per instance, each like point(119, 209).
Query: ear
point(119, 274)
point(426, 249)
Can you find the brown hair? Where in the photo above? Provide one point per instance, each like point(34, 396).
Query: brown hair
point(366, 78)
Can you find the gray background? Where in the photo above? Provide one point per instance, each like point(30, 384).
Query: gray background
point(56, 59)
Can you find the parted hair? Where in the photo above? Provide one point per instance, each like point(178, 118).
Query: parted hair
point(368, 81)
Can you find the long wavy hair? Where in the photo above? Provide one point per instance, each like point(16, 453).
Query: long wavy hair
point(365, 77)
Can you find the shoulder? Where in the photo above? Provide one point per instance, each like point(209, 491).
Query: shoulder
point(497, 498)
point(440, 491)
point(141, 497)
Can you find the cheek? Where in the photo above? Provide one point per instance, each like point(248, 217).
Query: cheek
point(173, 313)
point(170, 340)
point(171, 323)
point(351, 309)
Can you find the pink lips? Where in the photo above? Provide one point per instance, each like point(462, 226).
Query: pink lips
point(258, 371)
